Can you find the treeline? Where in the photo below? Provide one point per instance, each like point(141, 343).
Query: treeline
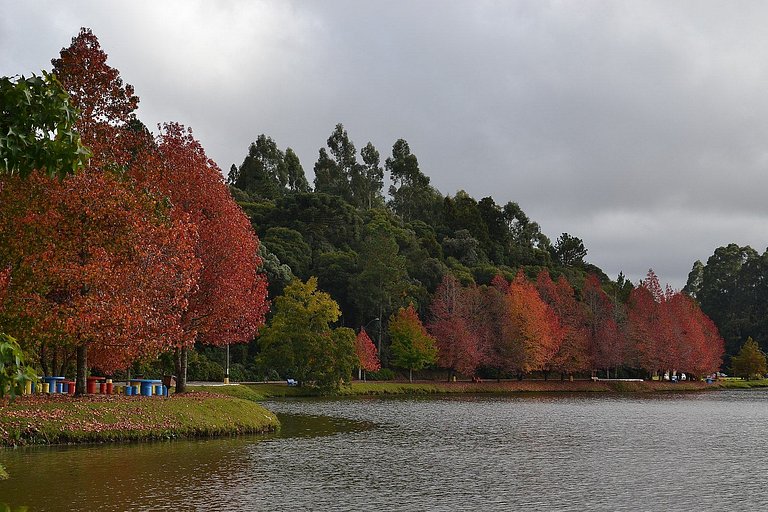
point(520, 327)
point(374, 255)
point(468, 267)
point(732, 288)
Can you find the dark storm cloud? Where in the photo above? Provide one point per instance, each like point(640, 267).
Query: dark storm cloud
point(637, 126)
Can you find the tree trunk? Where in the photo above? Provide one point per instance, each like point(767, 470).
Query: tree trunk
point(180, 363)
point(519, 375)
point(410, 375)
point(44, 358)
point(82, 366)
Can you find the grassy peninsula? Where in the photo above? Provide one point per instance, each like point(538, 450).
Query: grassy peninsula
point(97, 418)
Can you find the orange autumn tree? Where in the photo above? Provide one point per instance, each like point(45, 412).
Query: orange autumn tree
point(367, 355)
point(531, 332)
point(229, 303)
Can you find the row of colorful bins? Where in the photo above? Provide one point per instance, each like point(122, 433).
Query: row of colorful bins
point(51, 385)
point(158, 390)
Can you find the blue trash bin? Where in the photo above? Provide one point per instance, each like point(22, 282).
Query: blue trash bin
point(128, 390)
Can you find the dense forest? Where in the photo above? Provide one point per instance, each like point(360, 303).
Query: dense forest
point(134, 253)
point(377, 252)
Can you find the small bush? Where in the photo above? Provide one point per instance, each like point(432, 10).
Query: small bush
point(383, 374)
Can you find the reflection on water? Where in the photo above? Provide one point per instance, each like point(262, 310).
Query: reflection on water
point(546, 452)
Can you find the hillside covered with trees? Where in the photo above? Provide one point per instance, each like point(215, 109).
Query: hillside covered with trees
point(137, 255)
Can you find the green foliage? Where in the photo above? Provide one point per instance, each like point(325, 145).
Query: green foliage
point(382, 278)
point(383, 374)
point(199, 367)
point(412, 348)
point(290, 248)
point(37, 128)
point(569, 250)
point(733, 292)
point(13, 372)
point(750, 362)
point(299, 342)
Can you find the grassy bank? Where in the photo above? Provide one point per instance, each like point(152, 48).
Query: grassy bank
point(742, 384)
point(95, 419)
point(264, 391)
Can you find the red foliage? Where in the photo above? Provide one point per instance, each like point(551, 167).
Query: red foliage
point(530, 333)
point(572, 355)
point(453, 308)
point(97, 267)
point(106, 105)
point(229, 303)
point(366, 352)
point(670, 332)
point(5, 280)
point(607, 342)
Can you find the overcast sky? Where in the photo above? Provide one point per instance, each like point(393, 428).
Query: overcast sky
point(640, 127)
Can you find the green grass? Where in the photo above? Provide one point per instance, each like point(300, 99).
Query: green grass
point(235, 390)
point(736, 383)
point(266, 391)
point(63, 419)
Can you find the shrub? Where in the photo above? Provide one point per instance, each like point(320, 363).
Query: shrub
point(383, 374)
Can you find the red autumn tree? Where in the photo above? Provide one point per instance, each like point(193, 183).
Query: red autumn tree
point(104, 271)
point(229, 303)
point(607, 343)
point(530, 334)
point(367, 355)
point(458, 346)
point(5, 279)
point(97, 271)
point(107, 124)
point(572, 356)
point(650, 327)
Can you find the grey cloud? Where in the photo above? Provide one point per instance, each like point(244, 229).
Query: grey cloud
point(646, 112)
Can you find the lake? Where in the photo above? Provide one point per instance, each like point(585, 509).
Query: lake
point(690, 451)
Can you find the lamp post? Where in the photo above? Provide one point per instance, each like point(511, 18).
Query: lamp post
point(359, 370)
point(226, 372)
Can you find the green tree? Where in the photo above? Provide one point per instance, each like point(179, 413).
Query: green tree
point(382, 279)
point(412, 196)
point(297, 180)
point(370, 180)
point(750, 362)
point(37, 127)
point(412, 347)
point(290, 248)
point(263, 172)
point(334, 172)
point(300, 343)
point(569, 250)
point(695, 280)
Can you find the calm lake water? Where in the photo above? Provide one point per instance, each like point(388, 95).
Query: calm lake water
point(706, 451)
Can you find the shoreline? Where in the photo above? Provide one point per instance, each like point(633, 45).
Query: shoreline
point(508, 387)
point(230, 410)
point(56, 420)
